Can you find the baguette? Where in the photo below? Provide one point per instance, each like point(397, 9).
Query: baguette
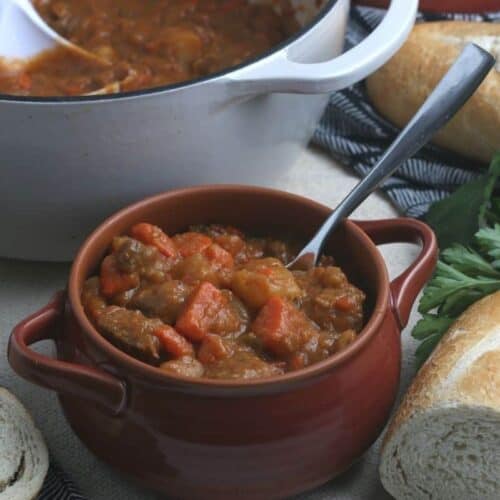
point(400, 87)
point(444, 441)
point(24, 459)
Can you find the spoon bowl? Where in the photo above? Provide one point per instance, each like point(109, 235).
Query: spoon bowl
point(23, 33)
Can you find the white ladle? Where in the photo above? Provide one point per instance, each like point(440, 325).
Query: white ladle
point(24, 34)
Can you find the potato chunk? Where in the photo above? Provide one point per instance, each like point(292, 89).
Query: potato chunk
point(260, 279)
point(212, 263)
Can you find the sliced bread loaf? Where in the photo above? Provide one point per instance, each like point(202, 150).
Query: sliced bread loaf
point(444, 441)
point(24, 458)
point(400, 87)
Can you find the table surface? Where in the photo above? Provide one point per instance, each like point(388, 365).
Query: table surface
point(25, 286)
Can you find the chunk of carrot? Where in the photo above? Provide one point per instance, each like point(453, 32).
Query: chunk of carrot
point(189, 243)
point(212, 349)
point(112, 281)
point(297, 361)
point(217, 255)
point(25, 81)
point(174, 343)
point(201, 311)
point(233, 243)
point(345, 303)
point(153, 235)
point(282, 328)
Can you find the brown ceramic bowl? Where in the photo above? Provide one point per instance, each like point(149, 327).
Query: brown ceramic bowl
point(200, 438)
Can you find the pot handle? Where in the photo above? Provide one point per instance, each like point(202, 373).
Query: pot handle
point(86, 382)
point(280, 73)
point(405, 288)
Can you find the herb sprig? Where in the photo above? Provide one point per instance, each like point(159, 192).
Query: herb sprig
point(468, 224)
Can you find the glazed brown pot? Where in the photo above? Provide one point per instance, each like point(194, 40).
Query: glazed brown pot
point(200, 438)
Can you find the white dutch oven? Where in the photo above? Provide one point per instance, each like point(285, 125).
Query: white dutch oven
point(68, 162)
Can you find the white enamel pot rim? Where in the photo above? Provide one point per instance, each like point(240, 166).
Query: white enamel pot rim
point(280, 71)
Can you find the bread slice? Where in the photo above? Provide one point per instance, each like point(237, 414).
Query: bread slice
point(400, 87)
point(24, 459)
point(444, 441)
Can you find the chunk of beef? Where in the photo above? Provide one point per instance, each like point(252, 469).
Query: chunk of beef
point(93, 302)
point(281, 250)
point(242, 364)
point(131, 331)
point(161, 300)
point(330, 300)
point(147, 261)
point(186, 366)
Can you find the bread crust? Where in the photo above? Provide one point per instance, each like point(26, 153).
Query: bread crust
point(400, 87)
point(477, 383)
point(450, 416)
point(30, 445)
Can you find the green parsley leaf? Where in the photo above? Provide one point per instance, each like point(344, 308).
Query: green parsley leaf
point(490, 182)
point(431, 324)
point(469, 261)
point(488, 240)
point(457, 218)
point(448, 282)
point(468, 227)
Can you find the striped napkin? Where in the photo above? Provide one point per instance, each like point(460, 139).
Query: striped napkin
point(58, 486)
point(356, 135)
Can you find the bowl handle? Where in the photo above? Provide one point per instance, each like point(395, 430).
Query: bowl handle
point(280, 73)
point(405, 288)
point(86, 382)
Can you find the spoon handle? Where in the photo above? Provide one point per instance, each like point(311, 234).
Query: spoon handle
point(458, 84)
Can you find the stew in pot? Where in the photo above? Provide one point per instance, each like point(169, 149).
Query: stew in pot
point(146, 43)
point(213, 302)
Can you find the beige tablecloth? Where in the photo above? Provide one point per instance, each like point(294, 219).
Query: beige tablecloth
point(25, 286)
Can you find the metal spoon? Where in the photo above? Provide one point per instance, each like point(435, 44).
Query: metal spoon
point(457, 85)
point(24, 34)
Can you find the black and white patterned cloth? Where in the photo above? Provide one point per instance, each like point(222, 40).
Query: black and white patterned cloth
point(356, 135)
point(58, 486)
